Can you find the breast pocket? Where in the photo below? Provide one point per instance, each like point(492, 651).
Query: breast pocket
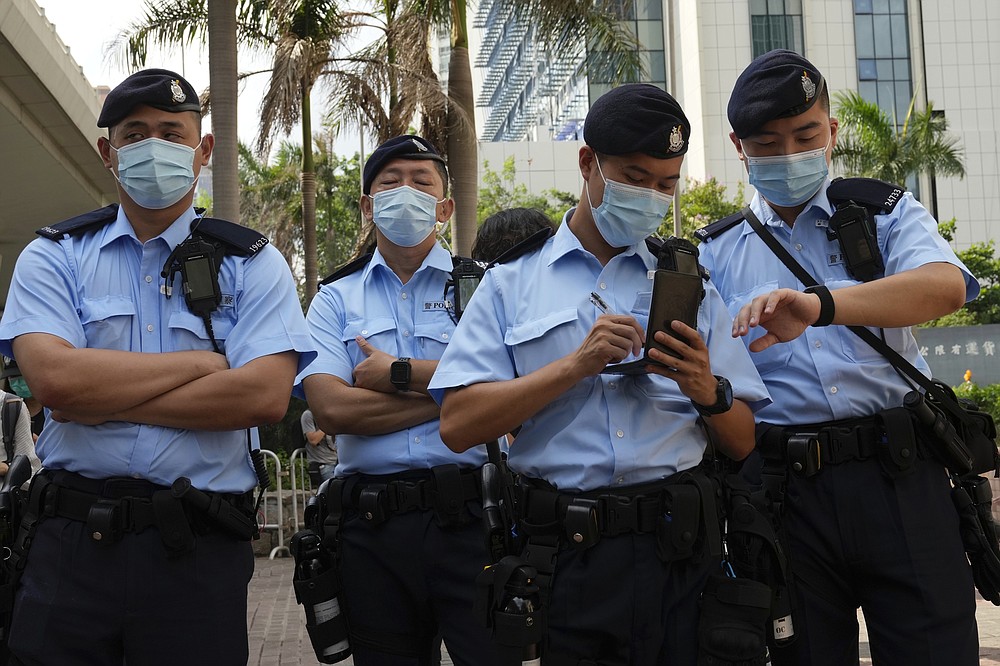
point(539, 341)
point(107, 322)
point(380, 333)
point(774, 357)
point(190, 333)
point(856, 349)
point(433, 336)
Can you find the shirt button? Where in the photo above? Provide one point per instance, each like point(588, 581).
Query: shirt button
point(604, 285)
point(364, 331)
point(406, 334)
point(798, 247)
point(620, 479)
point(817, 344)
point(612, 385)
point(444, 336)
point(149, 327)
point(833, 389)
point(149, 278)
point(620, 433)
point(416, 440)
point(403, 295)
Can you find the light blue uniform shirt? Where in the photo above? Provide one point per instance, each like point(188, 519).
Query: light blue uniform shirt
point(827, 373)
point(608, 430)
point(410, 320)
point(101, 289)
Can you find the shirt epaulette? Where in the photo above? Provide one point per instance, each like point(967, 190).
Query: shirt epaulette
point(74, 226)
point(237, 239)
point(718, 227)
point(529, 244)
point(348, 268)
point(871, 193)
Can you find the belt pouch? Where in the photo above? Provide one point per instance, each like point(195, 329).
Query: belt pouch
point(372, 503)
point(104, 521)
point(677, 531)
point(580, 522)
point(172, 521)
point(899, 452)
point(449, 501)
point(803, 452)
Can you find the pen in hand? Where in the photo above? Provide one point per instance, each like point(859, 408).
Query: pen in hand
point(600, 304)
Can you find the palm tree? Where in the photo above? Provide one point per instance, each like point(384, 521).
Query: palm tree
point(872, 144)
point(222, 79)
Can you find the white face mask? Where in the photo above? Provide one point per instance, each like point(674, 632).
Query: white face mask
point(156, 173)
point(405, 215)
point(628, 213)
point(789, 180)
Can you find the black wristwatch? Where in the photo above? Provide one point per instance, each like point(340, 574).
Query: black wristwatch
point(723, 399)
point(399, 373)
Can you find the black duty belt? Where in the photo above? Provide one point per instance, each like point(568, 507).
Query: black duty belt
point(117, 506)
point(445, 489)
point(808, 448)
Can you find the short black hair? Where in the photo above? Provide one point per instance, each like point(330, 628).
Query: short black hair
point(502, 231)
point(197, 117)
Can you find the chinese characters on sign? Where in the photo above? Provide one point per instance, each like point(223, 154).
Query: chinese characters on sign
point(952, 351)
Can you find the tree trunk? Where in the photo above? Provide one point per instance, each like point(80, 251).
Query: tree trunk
point(308, 179)
point(463, 158)
point(223, 91)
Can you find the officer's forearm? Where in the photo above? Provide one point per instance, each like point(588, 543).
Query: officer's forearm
point(252, 395)
point(479, 413)
point(351, 410)
point(904, 299)
point(95, 381)
point(733, 431)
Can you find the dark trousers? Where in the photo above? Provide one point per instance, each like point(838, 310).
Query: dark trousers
point(857, 538)
point(80, 602)
point(617, 604)
point(407, 581)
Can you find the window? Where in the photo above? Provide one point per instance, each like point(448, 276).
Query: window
point(776, 24)
point(883, 53)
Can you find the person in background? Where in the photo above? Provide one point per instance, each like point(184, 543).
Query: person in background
point(321, 448)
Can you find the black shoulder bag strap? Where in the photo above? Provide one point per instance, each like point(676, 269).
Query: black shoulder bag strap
point(946, 401)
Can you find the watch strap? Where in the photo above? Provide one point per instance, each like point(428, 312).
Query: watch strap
point(827, 308)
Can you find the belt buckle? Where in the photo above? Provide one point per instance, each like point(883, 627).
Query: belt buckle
point(409, 495)
point(804, 453)
point(619, 514)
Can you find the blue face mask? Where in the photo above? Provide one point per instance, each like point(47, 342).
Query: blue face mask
point(156, 173)
point(19, 387)
point(789, 180)
point(404, 215)
point(628, 213)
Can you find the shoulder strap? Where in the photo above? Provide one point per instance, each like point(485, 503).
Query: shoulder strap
point(873, 341)
point(529, 244)
point(716, 228)
point(236, 239)
point(75, 226)
point(878, 196)
point(11, 413)
point(348, 268)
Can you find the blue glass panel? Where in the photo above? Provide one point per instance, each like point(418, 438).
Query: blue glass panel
point(866, 70)
point(883, 48)
point(883, 70)
point(868, 90)
point(862, 6)
point(864, 37)
point(900, 43)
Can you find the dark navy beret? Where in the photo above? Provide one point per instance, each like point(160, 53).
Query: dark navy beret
point(159, 88)
point(407, 147)
point(637, 118)
point(778, 84)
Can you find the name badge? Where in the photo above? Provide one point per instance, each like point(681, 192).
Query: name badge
point(433, 306)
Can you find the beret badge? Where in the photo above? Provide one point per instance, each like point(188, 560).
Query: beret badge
point(808, 87)
point(676, 139)
point(176, 92)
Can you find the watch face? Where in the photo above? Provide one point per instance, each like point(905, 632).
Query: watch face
point(726, 391)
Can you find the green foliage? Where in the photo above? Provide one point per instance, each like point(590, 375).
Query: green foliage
point(987, 397)
point(701, 204)
point(272, 204)
point(500, 191)
point(983, 262)
point(872, 144)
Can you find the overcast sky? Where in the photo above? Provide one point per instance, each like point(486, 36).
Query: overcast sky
point(88, 28)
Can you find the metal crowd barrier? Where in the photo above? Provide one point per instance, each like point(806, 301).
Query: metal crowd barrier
point(274, 493)
point(302, 488)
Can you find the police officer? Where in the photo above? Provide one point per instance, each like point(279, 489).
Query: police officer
point(529, 352)
point(138, 399)
point(860, 531)
point(410, 547)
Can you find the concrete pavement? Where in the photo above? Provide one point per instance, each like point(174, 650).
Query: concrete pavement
point(278, 634)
